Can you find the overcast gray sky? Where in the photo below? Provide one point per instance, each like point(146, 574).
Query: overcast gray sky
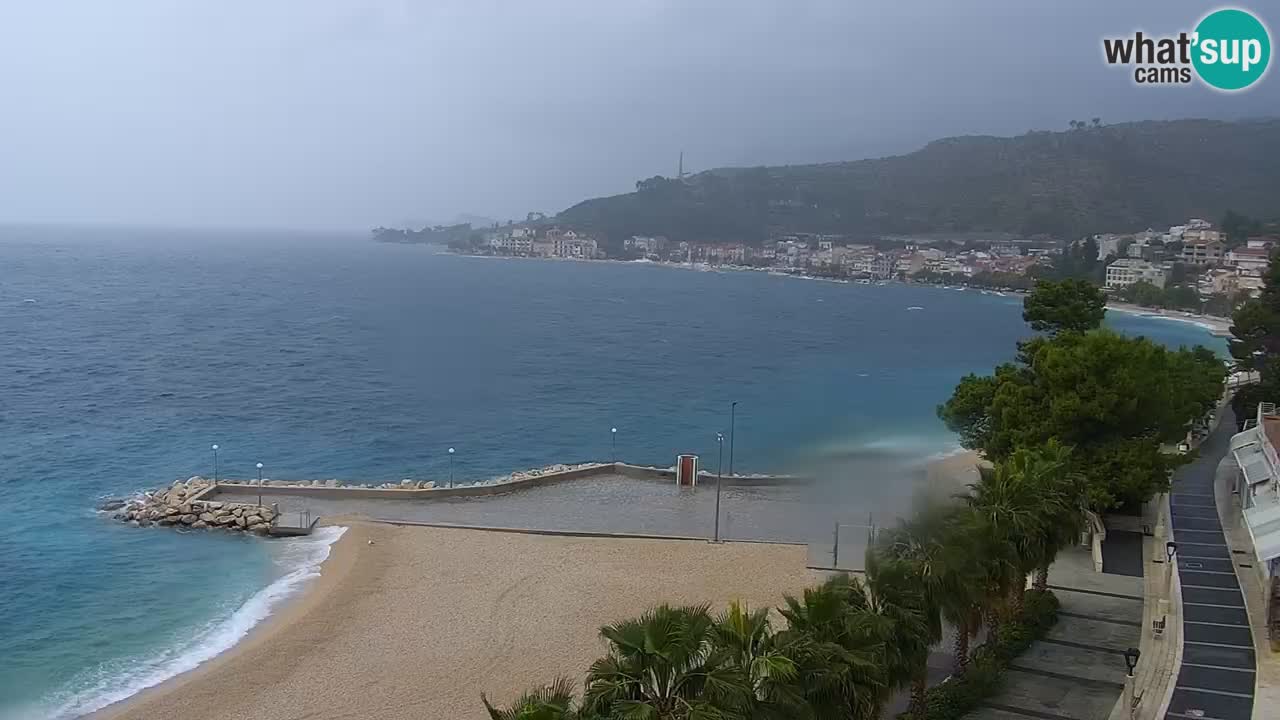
point(352, 113)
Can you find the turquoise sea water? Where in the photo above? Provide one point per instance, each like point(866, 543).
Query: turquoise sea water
point(124, 355)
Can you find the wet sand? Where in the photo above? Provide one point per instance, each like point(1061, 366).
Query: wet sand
point(420, 622)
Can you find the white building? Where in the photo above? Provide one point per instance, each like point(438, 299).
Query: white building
point(1249, 260)
point(1258, 485)
point(1127, 271)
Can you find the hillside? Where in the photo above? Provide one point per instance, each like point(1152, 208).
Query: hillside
point(1112, 178)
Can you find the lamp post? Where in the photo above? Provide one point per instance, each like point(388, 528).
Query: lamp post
point(1131, 661)
point(719, 468)
point(613, 439)
point(450, 467)
point(259, 484)
point(733, 411)
point(215, 463)
point(1170, 550)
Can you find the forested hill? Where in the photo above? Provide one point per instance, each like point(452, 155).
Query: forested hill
point(1093, 179)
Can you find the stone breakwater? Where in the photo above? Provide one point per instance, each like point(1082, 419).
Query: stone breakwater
point(180, 506)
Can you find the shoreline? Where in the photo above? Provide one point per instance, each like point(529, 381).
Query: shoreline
point(411, 622)
point(1217, 326)
point(337, 563)
point(363, 558)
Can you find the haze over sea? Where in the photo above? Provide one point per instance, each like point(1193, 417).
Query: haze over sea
point(125, 354)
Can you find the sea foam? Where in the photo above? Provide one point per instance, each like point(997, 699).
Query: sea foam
point(299, 562)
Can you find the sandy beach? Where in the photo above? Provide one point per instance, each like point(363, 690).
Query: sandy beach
point(415, 622)
point(1212, 323)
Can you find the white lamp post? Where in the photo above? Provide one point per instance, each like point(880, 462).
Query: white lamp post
point(450, 467)
point(215, 463)
point(613, 436)
point(719, 468)
point(259, 484)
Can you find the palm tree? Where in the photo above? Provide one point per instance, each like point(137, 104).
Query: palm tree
point(832, 640)
point(552, 702)
point(665, 666)
point(1062, 506)
point(942, 559)
point(748, 639)
point(906, 621)
point(1004, 516)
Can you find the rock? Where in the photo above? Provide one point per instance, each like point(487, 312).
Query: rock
point(260, 528)
point(431, 484)
point(166, 521)
point(133, 523)
point(199, 525)
point(113, 504)
point(331, 483)
point(240, 522)
point(406, 482)
point(144, 523)
point(238, 512)
point(187, 519)
point(172, 511)
point(226, 519)
point(207, 517)
point(184, 508)
point(252, 520)
point(213, 505)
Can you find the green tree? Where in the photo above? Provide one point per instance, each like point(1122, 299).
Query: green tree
point(748, 639)
point(832, 637)
point(552, 702)
point(1065, 306)
point(1114, 399)
point(939, 553)
point(900, 620)
point(665, 665)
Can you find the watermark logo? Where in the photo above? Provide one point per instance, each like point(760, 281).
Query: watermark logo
point(1228, 50)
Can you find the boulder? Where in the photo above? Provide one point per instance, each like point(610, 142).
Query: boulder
point(184, 508)
point(252, 520)
point(133, 523)
point(213, 505)
point(207, 517)
point(333, 482)
point(111, 504)
point(199, 525)
point(260, 528)
point(187, 519)
point(166, 521)
point(144, 523)
point(240, 521)
point(172, 511)
point(226, 519)
point(238, 512)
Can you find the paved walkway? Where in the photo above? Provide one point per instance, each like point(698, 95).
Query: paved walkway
point(1078, 671)
point(1217, 675)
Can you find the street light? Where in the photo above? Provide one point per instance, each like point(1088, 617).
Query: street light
point(613, 437)
point(450, 467)
point(733, 410)
point(1131, 659)
point(1170, 549)
point(259, 484)
point(720, 442)
point(215, 463)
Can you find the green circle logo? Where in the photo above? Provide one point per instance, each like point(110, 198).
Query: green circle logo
point(1232, 49)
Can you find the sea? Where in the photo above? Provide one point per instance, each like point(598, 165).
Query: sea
point(126, 354)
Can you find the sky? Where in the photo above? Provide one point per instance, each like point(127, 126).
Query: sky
point(348, 114)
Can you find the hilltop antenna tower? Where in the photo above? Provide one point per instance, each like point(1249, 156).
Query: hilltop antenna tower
point(680, 169)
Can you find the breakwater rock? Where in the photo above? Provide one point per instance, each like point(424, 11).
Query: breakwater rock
point(180, 506)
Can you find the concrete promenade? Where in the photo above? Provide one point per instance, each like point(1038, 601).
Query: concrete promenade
point(1078, 671)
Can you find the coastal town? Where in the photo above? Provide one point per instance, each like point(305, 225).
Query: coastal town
point(1190, 266)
